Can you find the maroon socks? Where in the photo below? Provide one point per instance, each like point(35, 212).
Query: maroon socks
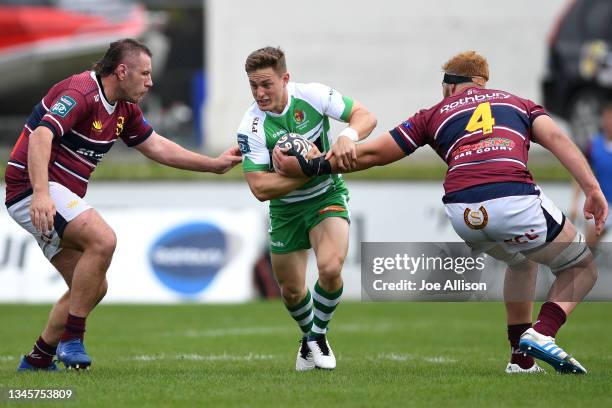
point(514, 335)
point(75, 328)
point(42, 354)
point(550, 319)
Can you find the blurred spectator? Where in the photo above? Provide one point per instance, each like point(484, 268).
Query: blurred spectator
point(599, 154)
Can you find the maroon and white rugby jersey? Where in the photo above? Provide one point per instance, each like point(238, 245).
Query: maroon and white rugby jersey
point(85, 126)
point(483, 136)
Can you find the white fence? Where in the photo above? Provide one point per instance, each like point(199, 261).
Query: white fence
point(198, 241)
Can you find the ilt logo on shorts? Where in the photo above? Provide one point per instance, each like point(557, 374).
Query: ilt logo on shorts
point(476, 219)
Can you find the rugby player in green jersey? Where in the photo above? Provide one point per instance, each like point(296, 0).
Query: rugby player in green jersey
point(306, 212)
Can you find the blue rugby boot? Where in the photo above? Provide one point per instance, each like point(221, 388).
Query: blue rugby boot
point(544, 348)
point(73, 355)
point(25, 366)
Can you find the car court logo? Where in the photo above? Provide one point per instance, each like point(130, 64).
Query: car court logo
point(187, 257)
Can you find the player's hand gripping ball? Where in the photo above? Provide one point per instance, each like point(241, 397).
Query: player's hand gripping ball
point(295, 142)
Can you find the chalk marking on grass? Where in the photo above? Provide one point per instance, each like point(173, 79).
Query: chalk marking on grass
point(439, 360)
point(258, 330)
point(202, 357)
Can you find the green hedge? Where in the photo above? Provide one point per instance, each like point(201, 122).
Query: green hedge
point(425, 171)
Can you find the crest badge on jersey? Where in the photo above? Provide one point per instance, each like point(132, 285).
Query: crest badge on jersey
point(120, 123)
point(63, 106)
point(299, 116)
point(96, 126)
point(477, 219)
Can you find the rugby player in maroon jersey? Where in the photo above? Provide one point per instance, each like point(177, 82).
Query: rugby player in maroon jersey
point(63, 140)
point(483, 135)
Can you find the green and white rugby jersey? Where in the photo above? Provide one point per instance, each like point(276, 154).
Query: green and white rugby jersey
point(307, 113)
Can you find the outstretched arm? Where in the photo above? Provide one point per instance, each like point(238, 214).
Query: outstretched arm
point(378, 152)
point(168, 153)
point(361, 122)
point(548, 134)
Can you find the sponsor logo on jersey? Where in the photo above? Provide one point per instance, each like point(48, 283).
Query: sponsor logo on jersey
point(277, 244)
point(96, 126)
point(299, 116)
point(484, 146)
point(96, 98)
point(187, 257)
point(254, 124)
point(90, 153)
point(474, 99)
point(63, 106)
point(476, 219)
point(243, 143)
point(120, 123)
point(278, 133)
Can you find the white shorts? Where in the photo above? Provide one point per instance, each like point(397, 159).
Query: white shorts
point(507, 225)
point(68, 206)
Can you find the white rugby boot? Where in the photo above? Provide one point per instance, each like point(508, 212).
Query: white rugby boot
point(516, 369)
point(304, 361)
point(321, 352)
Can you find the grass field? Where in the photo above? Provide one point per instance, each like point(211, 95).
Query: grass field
point(392, 354)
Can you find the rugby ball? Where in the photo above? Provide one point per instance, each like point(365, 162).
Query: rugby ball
point(295, 141)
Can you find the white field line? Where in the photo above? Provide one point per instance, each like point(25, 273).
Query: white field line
point(440, 360)
point(409, 357)
point(258, 330)
point(7, 358)
point(201, 357)
point(396, 357)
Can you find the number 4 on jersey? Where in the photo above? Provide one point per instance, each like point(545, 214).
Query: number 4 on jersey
point(481, 119)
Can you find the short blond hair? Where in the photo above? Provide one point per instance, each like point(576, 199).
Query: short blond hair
point(469, 64)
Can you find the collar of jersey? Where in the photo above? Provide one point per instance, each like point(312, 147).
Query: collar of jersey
point(109, 108)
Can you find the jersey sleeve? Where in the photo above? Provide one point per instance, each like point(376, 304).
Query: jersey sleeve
point(63, 111)
point(412, 133)
point(135, 129)
point(534, 110)
point(251, 141)
point(332, 103)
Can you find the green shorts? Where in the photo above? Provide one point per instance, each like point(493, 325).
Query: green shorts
point(289, 230)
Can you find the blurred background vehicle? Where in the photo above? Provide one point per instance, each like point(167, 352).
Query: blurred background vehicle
point(43, 41)
point(578, 76)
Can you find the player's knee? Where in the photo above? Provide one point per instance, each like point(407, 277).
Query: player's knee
point(106, 244)
point(292, 295)
point(102, 291)
point(575, 255)
point(330, 268)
